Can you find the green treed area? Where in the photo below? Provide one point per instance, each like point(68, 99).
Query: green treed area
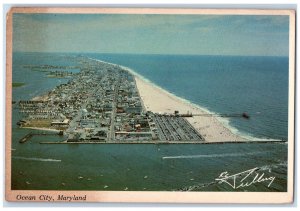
point(17, 84)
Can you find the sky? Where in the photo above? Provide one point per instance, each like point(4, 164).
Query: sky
point(152, 34)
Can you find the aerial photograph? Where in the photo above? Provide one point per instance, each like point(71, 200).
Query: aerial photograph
point(150, 102)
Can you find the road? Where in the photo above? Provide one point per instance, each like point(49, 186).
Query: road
point(111, 135)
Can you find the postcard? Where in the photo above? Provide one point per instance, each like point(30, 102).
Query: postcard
point(150, 105)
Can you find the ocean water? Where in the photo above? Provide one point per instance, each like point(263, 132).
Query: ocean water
point(260, 84)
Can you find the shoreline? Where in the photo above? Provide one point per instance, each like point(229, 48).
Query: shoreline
point(236, 134)
point(211, 128)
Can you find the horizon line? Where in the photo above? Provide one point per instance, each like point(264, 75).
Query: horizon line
point(161, 54)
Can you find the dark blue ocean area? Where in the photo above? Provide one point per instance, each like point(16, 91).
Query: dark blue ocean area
point(219, 84)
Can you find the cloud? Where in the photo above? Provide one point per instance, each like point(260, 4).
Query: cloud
point(165, 34)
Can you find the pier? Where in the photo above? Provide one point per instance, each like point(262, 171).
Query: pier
point(176, 114)
point(30, 101)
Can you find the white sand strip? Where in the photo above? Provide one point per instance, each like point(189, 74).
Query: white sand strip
point(158, 100)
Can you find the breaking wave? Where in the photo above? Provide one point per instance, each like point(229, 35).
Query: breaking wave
point(36, 159)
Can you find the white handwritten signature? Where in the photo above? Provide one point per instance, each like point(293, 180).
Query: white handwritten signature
point(245, 178)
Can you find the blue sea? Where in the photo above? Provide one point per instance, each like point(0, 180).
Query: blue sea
point(219, 84)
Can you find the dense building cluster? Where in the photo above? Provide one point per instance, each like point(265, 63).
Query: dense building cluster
point(101, 103)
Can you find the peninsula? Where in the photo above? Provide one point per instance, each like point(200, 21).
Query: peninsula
point(108, 103)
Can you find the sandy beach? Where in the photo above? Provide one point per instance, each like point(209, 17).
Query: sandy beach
point(158, 100)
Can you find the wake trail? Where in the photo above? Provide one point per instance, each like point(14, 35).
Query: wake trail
point(36, 159)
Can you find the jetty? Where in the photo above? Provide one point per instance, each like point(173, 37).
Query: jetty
point(166, 142)
point(25, 138)
point(28, 136)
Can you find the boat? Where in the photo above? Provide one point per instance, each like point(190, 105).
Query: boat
point(245, 115)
